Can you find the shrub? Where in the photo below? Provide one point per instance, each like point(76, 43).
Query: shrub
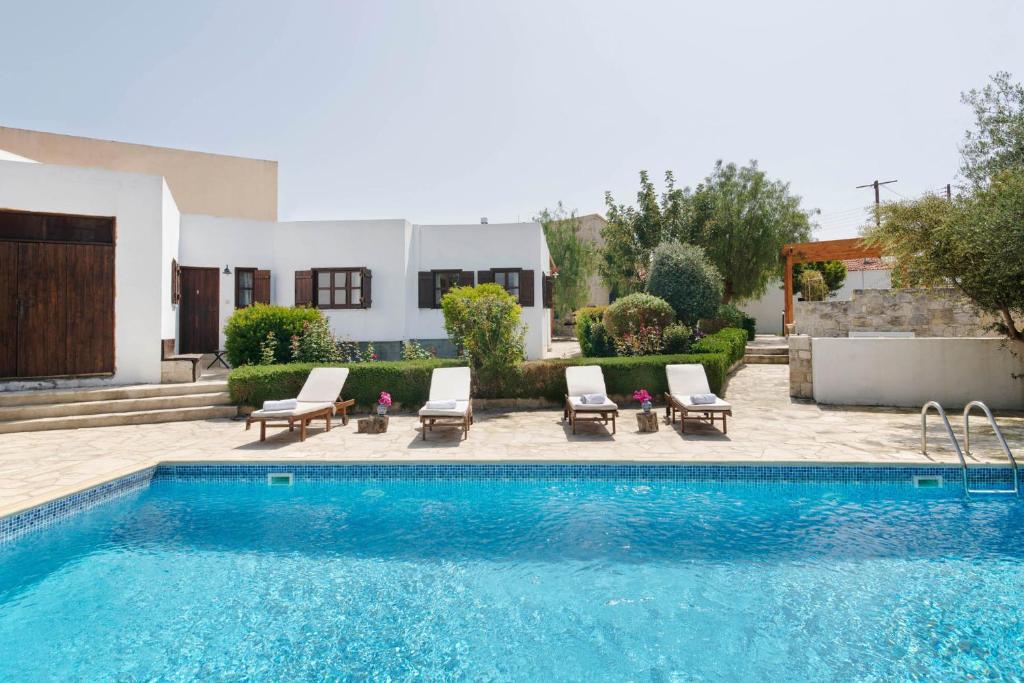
point(676, 339)
point(731, 342)
point(408, 382)
point(484, 322)
point(645, 342)
point(728, 315)
point(684, 277)
point(633, 312)
point(413, 350)
point(812, 286)
point(592, 334)
point(315, 344)
point(247, 328)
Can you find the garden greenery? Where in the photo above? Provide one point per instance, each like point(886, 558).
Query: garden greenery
point(483, 321)
point(635, 312)
point(683, 276)
point(247, 330)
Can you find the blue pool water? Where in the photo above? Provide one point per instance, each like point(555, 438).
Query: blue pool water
point(545, 579)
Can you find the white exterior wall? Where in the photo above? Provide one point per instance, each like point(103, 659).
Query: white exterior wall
point(137, 202)
point(170, 223)
point(911, 372)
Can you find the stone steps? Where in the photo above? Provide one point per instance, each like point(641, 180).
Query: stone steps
point(767, 349)
point(31, 411)
point(766, 358)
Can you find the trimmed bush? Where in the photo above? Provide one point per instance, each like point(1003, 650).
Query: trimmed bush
point(677, 339)
point(247, 330)
point(546, 378)
point(731, 342)
point(408, 382)
point(591, 333)
point(682, 275)
point(632, 313)
point(730, 316)
point(484, 322)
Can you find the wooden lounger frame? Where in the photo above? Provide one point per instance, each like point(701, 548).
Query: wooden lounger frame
point(428, 422)
point(673, 406)
point(302, 419)
point(573, 416)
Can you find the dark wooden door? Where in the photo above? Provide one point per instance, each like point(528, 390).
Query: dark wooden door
point(89, 307)
point(8, 309)
point(199, 315)
point(42, 325)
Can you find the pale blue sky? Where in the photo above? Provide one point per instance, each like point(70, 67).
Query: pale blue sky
point(448, 111)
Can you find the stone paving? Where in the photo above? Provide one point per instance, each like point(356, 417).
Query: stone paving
point(767, 426)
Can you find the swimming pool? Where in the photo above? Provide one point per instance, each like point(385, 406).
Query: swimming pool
point(552, 572)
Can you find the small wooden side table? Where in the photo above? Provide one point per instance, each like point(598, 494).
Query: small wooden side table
point(375, 424)
point(647, 422)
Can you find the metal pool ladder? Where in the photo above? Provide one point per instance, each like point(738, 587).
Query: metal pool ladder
point(967, 442)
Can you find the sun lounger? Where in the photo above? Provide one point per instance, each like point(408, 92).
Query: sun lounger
point(449, 404)
point(318, 399)
point(684, 382)
point(585, 382)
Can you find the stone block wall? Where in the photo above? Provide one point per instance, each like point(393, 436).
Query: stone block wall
point(801, 383)
point(925, 312)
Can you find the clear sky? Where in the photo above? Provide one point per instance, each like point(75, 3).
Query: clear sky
point(449, 111)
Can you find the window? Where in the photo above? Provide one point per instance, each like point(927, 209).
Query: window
point(339, 287)
point(443, 281)
point(509, 279)
point(245, 284)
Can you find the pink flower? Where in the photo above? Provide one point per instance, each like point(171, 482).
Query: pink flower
point(641, 395)
point(384, 399)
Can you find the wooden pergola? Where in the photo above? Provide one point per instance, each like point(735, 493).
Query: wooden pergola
point(811, 252)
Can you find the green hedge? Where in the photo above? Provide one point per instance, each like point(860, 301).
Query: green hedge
point(247, 328)
point(731, 341)
point(408, 382)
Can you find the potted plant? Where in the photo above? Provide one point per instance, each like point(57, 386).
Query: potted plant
point(383, 403)
point(644, 397)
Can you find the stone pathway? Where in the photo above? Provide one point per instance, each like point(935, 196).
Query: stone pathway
point(767, 426)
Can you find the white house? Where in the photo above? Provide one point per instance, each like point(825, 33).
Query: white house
point(103, 272)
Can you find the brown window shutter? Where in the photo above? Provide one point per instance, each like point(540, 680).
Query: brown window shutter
point(484, 276)
point(175, 282)
point(526, 288)
point(466, 278)
point(303, 287)
point(426, 289)
point(261, 287)
point(367, 278)
point(549, 291)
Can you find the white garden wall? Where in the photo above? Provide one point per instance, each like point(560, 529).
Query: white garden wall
point(910, 372)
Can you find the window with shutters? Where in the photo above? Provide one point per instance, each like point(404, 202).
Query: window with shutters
point(340, 288)
point(507, 278)
point(175, 282)
point(245, 284)
point(444, 280)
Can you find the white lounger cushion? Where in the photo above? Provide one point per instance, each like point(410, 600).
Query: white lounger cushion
point(448, 384)
point(303, 408)
point(323, 385)
point(460, 409)
point(587, 379)
point(686, 380)
point(579, 405)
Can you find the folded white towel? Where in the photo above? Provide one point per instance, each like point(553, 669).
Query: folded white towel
point(703, 399)
point(594, 399)
point(441, 405)
point(286, 404)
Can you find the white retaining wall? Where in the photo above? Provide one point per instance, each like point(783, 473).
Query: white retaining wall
point(910, 372)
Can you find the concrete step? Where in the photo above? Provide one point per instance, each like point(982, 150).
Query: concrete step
point(112, 393)
point(768, 350)
point(766, 359)
point(124, 405)
point(113, 419)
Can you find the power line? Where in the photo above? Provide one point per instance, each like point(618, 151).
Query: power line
point(876, 184)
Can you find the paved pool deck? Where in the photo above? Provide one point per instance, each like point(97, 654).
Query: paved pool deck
point(767, 427)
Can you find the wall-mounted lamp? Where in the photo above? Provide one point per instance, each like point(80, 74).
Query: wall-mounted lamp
point(227, 270)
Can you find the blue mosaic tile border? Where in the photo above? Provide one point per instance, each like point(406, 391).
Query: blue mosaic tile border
point(56, 511)
point(767, 474)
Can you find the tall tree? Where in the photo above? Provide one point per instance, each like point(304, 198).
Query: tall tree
point(742, 219)
point(997, 141)
point(633, 232)
point(575, 258)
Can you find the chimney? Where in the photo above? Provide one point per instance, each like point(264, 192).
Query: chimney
point(483, 220)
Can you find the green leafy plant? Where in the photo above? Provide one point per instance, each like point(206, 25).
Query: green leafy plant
point(315, 343)
point(812, 286)
point(483, 321)
point(576, 258)
point(731, 342)
point(728, 315)
point(683, 276)
point(591, 333)
point(676, 338)
point(644, 342)
point(268, 348)
point(633, 312)
point(413, 350)
point(247, 328)
point(833, 274)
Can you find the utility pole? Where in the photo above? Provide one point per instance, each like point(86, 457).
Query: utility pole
point(949, 192)
point(878, 200)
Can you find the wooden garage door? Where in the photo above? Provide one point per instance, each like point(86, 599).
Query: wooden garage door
point(199, 315)
point(56, 295)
